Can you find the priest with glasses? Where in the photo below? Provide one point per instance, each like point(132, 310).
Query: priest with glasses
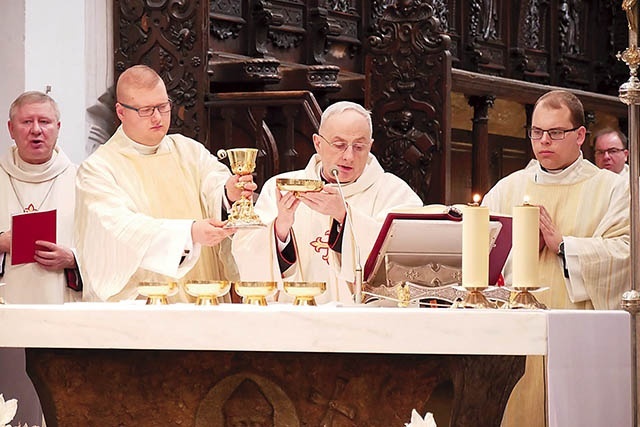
point(309, 236)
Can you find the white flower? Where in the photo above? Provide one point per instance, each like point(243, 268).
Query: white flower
point(8, 410)
point(418, 421)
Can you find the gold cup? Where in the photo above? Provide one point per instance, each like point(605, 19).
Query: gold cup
point(242, 162)
point(157, 292)
point(297, 186)
point(305, 292)
point(207, 291)
point(255, 293)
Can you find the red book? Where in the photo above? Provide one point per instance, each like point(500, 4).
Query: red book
point(28, 227)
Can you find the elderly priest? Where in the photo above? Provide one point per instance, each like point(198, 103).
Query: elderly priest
point(310, 236)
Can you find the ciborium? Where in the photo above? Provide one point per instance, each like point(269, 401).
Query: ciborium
point(304, 293)
point(297, 186)
point(157, 292)
point(242, 161)
point(255, 293)
point(207, 291)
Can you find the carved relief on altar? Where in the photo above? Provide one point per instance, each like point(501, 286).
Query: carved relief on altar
point(246, 400)
point(408, 63)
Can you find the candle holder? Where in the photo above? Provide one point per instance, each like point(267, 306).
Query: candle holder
point(523, 298)
point(474, 299)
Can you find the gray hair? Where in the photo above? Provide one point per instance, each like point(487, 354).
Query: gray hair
point(33, 97)
point(342, 106)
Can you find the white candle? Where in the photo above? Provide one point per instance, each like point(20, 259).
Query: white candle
point(475, 247)
point(525, 239)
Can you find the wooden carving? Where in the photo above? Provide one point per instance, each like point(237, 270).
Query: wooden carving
point(167, 36)
point(409, 68)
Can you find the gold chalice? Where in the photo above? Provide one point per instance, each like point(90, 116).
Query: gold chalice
point(305, 292)
point(157, 292)
point(207, 291)
point(255, 293)
point(297, 186)
point(242, 162)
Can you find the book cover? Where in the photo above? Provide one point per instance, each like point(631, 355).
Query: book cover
point(28, 227)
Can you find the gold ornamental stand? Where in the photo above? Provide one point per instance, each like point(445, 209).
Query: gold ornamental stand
point(525, 299)
point(630, 94)
point(475, 299)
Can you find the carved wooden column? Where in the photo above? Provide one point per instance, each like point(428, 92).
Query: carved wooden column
point(169, 37)
point(408, 88)
point(480, 155)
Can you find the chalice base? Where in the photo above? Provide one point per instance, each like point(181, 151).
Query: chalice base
point(475, 299)
point(242, 215)
point(206, 300)
point(157, 300)
point(254, 300)
point(526, 300)
point(304, 300)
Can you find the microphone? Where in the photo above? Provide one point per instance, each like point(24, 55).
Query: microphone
point(358, 269)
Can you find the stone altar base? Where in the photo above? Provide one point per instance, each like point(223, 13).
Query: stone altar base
point(80, 387)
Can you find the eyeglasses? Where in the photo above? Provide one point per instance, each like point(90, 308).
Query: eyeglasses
point(555, 134)
point(341, 147)
point(609, 151)
point(163, 108)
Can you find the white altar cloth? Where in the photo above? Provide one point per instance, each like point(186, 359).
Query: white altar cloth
point(588, 352)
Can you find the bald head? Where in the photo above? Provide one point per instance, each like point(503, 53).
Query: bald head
point(135, 79)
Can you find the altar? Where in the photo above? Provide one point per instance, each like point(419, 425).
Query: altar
point(131, 364)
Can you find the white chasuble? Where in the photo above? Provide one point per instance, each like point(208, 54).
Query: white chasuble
point(373, 195)
point(135, 213)
point(590, 207)
point(47, 186)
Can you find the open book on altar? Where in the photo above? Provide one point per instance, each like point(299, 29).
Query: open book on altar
point(424, 246)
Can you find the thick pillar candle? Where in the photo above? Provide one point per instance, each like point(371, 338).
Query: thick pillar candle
point(526, 237)
point(475, 247)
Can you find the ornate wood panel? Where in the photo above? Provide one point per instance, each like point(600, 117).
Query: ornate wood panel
point(408, 93)
point(168, 36)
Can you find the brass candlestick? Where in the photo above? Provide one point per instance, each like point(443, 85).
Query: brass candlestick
point(525, 299)
point(242, 162)
point(475, 299)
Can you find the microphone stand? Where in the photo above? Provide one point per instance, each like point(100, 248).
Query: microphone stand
point(358, 270)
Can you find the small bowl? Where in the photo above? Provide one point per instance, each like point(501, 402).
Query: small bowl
point(298, 185)
point(207, 291)
point(255, 292)
point(157, 292)
point(304, 292)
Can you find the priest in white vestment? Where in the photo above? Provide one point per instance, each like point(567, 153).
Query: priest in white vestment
point(35, 175)
point(309, 236)
point(150, 206)
point(584, 227)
